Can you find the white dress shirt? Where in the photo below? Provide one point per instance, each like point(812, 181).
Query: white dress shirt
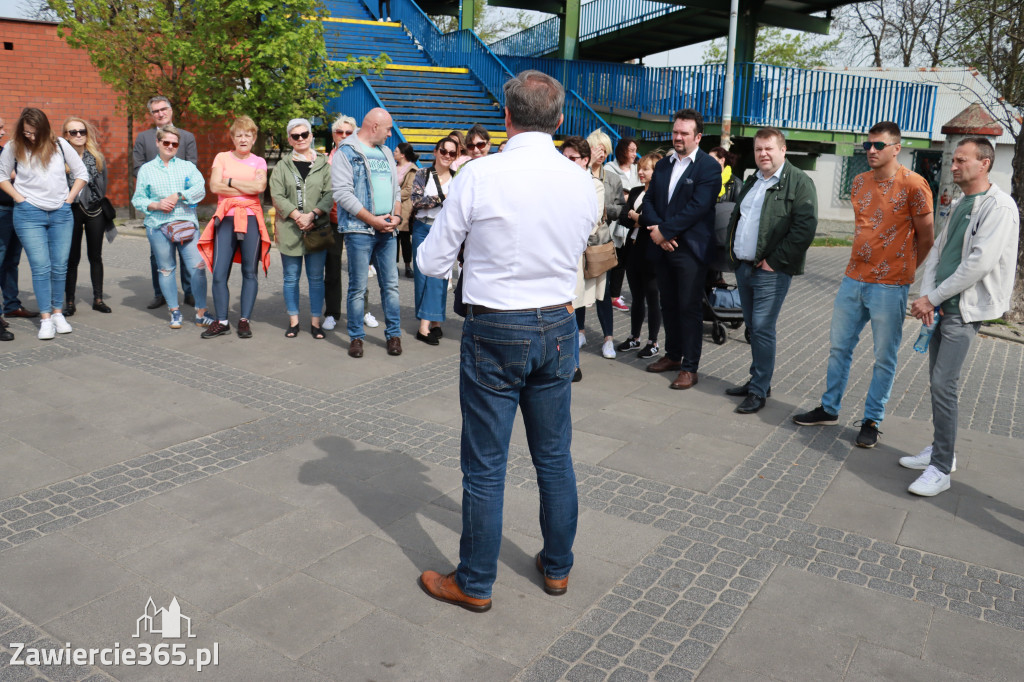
point(679, 166)
point(525, 216)
point(745, 241)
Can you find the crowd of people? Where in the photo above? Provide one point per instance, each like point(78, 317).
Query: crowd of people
point(654, 227)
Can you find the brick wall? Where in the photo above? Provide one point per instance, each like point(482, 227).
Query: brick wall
point(37, 68)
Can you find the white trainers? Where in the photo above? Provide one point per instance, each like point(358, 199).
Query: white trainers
point(583, 339)
point(922, 460)
point(370, 321)
point(931, 482)
point(46, 329)
point(372, 272)
point(608, 349)
point(329, 323)
point(60, 323)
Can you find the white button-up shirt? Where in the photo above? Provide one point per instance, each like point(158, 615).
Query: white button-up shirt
point(745, 242)
point(679, 166)
point(525, 215)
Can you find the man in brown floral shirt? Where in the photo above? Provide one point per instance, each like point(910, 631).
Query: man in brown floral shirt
point(892, 206)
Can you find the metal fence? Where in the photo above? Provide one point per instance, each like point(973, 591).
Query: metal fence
point(356, 100)
point(581, 119)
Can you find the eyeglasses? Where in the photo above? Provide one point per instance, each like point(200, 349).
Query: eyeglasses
point(299, 136)
point(878, 145)
point(82, 132)
point(343, 133)
point(445, 152)
point(168, 143)
point(159, 111)
point(478, 145)
point(572, 157)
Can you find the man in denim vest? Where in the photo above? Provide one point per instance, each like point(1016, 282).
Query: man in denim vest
point(368, 194)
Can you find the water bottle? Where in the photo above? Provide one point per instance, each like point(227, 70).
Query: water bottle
point(925, 337)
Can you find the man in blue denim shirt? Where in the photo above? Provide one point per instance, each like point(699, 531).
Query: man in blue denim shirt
point(366, 188)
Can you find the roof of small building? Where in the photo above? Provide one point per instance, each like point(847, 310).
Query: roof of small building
point(958, 88)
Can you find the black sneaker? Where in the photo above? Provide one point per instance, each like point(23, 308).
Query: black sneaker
point(577, 375)
point(649, 351)
point(815, 417)
point(215, 329)
point(628, 345)
point(868, 436)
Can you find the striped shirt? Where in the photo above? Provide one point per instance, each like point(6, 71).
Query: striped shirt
point(157, 181)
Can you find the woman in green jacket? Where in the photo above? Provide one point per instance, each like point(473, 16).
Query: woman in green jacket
point(301, 190)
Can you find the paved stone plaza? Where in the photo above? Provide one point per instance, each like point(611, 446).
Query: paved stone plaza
point(288, 497)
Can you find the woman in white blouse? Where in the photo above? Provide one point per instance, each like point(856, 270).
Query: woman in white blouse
point(429, 189)
point(42, 209)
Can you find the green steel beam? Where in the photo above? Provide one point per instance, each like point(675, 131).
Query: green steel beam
point(546, 6)
point(467, 15)
point(569, 31)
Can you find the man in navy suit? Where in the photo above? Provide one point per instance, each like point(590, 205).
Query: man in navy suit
point(679, 212)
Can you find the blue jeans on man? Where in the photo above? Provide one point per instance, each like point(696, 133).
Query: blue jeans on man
point(379, 248)
point(857, 303)
point(761, 296)
point(513, 360)
point(10, 256)
point(46, 238)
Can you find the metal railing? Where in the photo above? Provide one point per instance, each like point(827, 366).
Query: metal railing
point(597, 18)
point(357, 99)
point(462, 49)
point(581, 119)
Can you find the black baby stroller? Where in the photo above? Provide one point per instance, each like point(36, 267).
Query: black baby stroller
point(721, 300)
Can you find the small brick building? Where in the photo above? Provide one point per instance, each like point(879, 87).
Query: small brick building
point(37, 68)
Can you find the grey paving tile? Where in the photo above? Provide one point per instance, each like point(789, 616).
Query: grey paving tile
point(26, 467)
point(872, 662)
point(222, 505)
point(297, 539)
point(128, 529)
point(969, 646)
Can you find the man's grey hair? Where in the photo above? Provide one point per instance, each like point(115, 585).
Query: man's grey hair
point(164, 131)
point(153, 100)
point(343, 120)
point(984, 147)
point(534, 101)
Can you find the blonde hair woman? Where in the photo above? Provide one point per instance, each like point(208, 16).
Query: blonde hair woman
point(88, 214)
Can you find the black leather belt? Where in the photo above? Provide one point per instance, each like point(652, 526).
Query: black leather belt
point(482, 309)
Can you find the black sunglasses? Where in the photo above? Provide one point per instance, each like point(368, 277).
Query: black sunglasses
point(878, 145)
point(299, 136)
point(76, 133)
point(445, 152)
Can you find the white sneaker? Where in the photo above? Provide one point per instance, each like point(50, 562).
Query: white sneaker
point(931, 482)
point(46, 329)
point(370, 321)
point(608, 349)
point(372, 272)
point(583, 339)
point(329, 323)
point(922, 460)
point(60, 323)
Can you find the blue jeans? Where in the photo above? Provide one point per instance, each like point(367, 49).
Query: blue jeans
point(46, 237)
point(292, 269)
point(379, 248)
point(761, 296)
point(164, 250)
point(884, 305)
point(511, 360)
point(431, 296)
point(10, 256)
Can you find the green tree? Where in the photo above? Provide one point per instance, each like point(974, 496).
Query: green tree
point(212, 58)
point(780, 47)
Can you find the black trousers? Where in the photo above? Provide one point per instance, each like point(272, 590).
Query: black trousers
point(405, 244)
point(93, 229)
point(681, 278)
point(332, 276)
point(643, 284)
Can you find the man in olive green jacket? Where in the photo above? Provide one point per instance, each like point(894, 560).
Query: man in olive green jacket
point(770, 231)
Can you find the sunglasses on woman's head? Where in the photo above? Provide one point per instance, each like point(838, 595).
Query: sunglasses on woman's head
point(168, 143)
point(76, 133)
point(445, 152)
point(299, 136)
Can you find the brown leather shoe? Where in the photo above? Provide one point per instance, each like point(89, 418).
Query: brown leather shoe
point(395, 345)
point(355, 348)
point(684, 381)
point(445, 588)
point(554, 587)
point(664, 364)
point(22, 312)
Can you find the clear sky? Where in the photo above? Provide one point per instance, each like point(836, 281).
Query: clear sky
point(14, 8)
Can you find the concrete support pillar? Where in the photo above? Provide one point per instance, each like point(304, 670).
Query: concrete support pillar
point(467, 14)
